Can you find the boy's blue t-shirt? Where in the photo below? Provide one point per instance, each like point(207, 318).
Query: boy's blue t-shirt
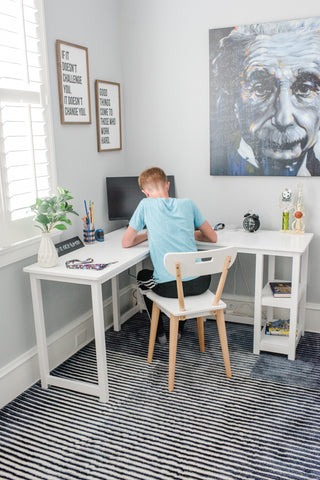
point(170, 224)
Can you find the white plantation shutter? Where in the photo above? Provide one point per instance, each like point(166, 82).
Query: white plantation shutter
point(25, 138)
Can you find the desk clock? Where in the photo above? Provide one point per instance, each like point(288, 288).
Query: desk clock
point(251, 222)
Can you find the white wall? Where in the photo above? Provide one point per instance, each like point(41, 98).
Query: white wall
point(165, 47)
point(80, 168)
point(158, 51)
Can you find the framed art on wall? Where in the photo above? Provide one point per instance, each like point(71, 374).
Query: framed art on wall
point(265, 99)
point(73, 82)
point(108, 111)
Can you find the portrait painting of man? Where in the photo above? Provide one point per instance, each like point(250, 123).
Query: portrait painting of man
point(265, 99)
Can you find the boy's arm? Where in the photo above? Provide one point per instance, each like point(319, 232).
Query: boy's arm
point(132, 237)
point(205, 233)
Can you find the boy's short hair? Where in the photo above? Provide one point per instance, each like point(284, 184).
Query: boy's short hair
point(152, 176)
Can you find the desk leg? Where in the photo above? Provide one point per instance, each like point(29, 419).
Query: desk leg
point(116, 304)
point(99, 333)
point(40, 330)
point(303, 280)
point(257, 303)
point(271, 277)
point(295, 305)
point(140, 300)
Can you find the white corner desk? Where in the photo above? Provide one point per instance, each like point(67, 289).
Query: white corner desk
point(261, 243)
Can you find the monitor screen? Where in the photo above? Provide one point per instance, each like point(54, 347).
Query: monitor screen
point(124, 195)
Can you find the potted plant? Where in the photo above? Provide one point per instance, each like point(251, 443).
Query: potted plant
point(51, 212)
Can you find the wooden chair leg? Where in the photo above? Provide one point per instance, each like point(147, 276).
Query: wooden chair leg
point(201, 333)
point(173, 341)
point(224, 341)
point(153, 330)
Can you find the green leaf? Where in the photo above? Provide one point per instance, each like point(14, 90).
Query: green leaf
point(63, 218)
point(43, 208)
point(60, 226)
point(42, 219)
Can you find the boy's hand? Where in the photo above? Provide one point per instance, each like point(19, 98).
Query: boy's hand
point(205, 233)
point(132, 237)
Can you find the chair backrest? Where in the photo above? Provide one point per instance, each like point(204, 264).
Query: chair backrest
point(203, 262)
point(189, 264)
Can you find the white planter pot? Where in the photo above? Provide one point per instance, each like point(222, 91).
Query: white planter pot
point(47, 254)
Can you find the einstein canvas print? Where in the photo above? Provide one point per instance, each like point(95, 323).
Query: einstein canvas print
point(265, 99)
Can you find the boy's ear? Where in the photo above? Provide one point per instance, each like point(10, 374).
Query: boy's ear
point(146, 193)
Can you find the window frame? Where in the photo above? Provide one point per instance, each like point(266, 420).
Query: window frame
point(25, 248)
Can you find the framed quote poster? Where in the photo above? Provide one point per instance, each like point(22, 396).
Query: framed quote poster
point(73, 81)
point(108, 115)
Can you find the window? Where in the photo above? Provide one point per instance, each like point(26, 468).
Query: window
point(27, 169)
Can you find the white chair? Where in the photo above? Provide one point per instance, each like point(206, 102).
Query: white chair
point(184, 265)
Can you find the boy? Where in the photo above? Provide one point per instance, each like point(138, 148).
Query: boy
point(171, 224)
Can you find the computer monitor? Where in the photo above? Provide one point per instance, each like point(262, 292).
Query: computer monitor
point(124, 195)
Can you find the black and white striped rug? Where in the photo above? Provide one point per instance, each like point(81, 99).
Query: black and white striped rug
point(210, 427)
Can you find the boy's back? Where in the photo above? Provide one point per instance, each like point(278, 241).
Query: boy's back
point(170, 224)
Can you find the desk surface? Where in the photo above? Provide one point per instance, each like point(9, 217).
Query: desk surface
point(102, 252)
point(262, 241)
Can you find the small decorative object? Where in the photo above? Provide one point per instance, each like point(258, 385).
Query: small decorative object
point(87, 264)
point(286, 204)
point(251, 222)
point(219, 226)
point(51, 212)
point(67, 246)
point(108, 111)
point(298, 225)
point(100, 235)
point(47, 253)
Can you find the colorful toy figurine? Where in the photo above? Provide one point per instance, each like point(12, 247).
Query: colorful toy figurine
point(286, 204)
point(298, 225)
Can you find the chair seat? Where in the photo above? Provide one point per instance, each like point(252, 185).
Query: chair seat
point(199, 305)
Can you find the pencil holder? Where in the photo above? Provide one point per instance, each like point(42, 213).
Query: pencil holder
point(89, 234)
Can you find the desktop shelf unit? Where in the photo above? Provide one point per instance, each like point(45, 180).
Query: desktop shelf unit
point(297, 250)
point(279, 343)
point(272, 244)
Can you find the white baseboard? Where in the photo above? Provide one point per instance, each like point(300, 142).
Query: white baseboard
point(23, 372)
point(313, 317)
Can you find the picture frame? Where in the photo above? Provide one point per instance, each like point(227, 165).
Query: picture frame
point(108, 112)
point(252, 131)
point(73, 83)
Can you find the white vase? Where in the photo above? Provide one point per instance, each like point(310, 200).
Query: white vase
point(47, 254)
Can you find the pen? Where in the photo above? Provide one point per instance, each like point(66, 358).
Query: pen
point(85, 206)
